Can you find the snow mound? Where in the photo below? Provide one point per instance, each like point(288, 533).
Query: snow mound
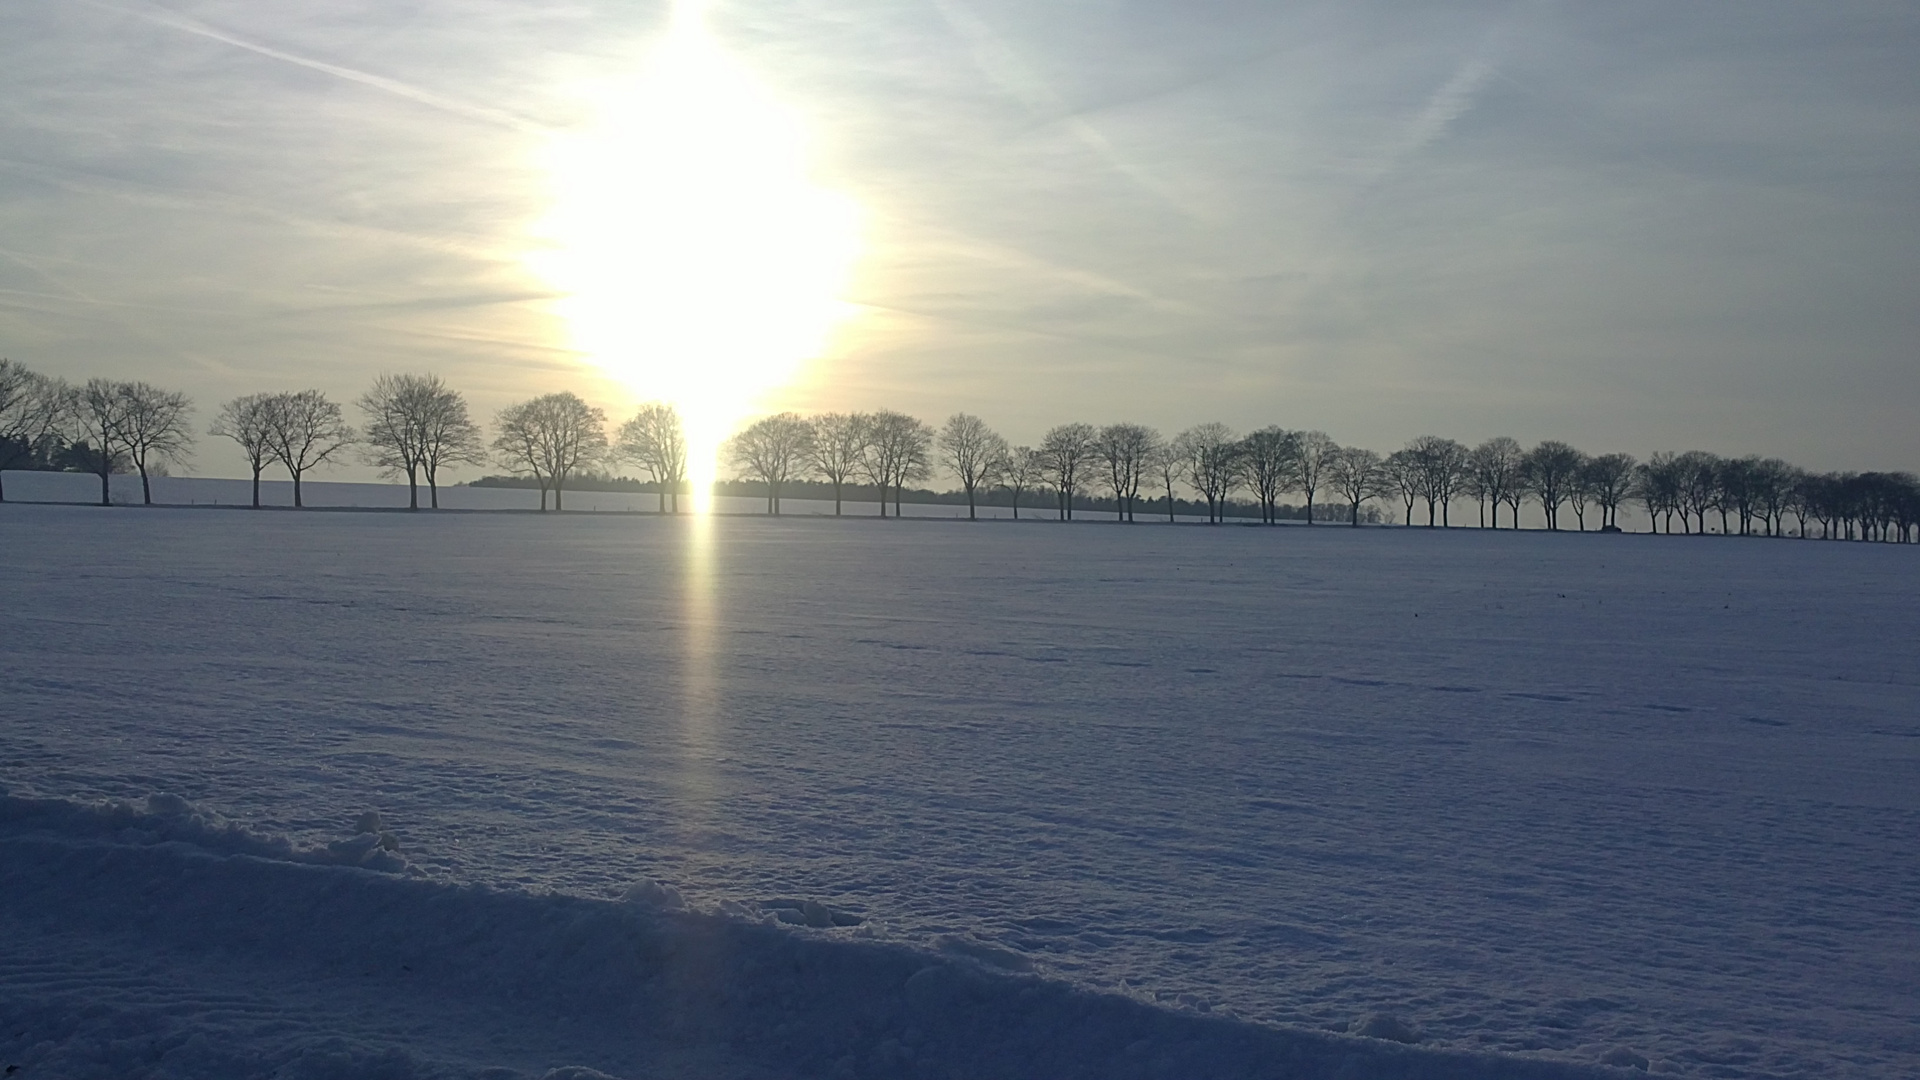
point(167, 818)
point(161, 942)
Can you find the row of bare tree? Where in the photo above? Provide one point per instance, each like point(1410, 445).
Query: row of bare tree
point(416, 426)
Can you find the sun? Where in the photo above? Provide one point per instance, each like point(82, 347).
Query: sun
point(698, 260)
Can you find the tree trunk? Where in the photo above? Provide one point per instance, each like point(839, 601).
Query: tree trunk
point(970, 516)
point(296, 490)
point(413, 491)
point(836, 498)
point(256, 487)
point(105, 498)
point(146, 489)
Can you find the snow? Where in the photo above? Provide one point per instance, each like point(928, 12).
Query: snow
point(931, 798)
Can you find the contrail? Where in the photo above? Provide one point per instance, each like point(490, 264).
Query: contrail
point(1006, 69)
point(175, 21)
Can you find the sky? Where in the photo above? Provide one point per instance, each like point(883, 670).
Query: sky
point(1634, 226)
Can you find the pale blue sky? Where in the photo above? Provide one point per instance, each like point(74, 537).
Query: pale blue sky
point(1636, 226)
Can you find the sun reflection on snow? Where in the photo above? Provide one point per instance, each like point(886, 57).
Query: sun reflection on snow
point(699, 262)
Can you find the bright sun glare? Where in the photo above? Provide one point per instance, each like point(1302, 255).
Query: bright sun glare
point(700, 263)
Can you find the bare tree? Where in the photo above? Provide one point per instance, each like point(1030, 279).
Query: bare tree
point(1314, 453)
point(1067, 450)
point(1608, 478)
point(970, 450)
point(1168, 463)
point(99, 415)
point(1270, 455)
point(448, 436)
point(1579, 494)
point(655, 440)
point(1127, 451)
point(1358, 475)
point(1697, 486)
point(550, 437)
point(1019, 469)
point(1441, 467)
point(897, 450)
point(1494, 476)
point(417, 425)
point(392, 433)
point(1776, 481)
point(838, 448)
point(249, 422)
point(306, 431)
point(1403, 479)
point(1656, 484)
point(33, 409)
point(155, 429)
point(772, 450)
point(1212, 465)
point(1550, 469)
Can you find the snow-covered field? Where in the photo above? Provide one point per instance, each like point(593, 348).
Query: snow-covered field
point(1104, 801)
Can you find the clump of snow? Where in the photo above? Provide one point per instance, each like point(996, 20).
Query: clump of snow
point(1389, 1027)
point(1621, 1057)
point(652, 894)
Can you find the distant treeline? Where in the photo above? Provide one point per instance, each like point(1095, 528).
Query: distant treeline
point(416, 426)
point(820, 490)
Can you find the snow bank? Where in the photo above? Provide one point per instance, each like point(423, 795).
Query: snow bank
point(159, 941)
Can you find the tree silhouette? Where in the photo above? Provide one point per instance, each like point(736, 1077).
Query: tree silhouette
point(970, 450)
point(154, 429)
point(1550, 470)
point(1019, 469)
point(1067, 451)
point(1440, 467)
point(99, 413)
point(1401, 476)
point(1314, 456)
point(33, 409)
point(655, 440)
point(305, 431)
point(1608, 479)
point(1168, 463)
point(249, 422)
point(1126, 451)
point(896, 451)
point(417, 425)
point(773, 450)
point(1358, 475)
point(1495, 476)
point(1213, 464)
point(1269, 457)
point(840, 442)
point(550, 437)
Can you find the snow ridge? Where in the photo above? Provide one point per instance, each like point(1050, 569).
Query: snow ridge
point(161, 942)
